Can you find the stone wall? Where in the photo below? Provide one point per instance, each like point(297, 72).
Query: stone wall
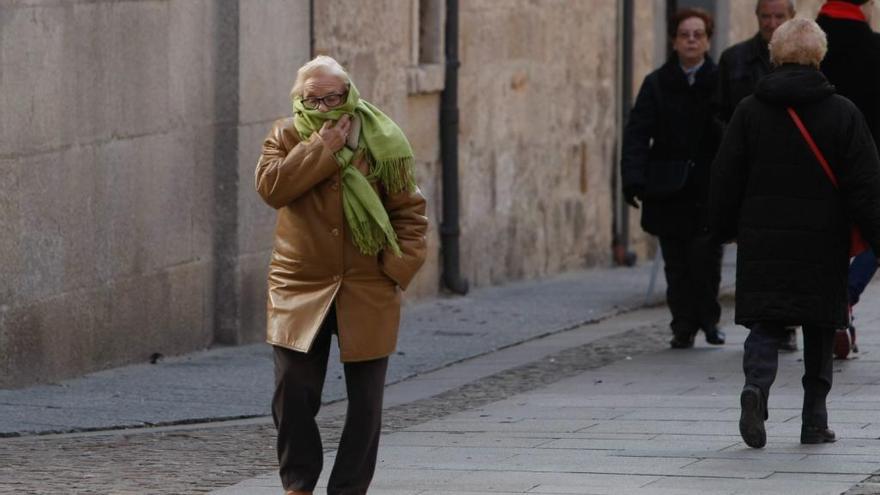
point(129, 131)
point(128, 135)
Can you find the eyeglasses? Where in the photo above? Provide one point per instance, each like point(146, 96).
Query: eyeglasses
point(332, 100)
point(697, 35)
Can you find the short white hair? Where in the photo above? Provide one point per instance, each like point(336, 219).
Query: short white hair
point(798, 41)
point(322, 64)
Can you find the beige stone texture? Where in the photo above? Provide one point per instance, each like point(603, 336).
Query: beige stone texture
point(108, 221)
point(110, 117)
point(649, 52)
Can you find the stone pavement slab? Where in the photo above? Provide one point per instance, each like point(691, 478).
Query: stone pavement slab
point(230, 383)
point(660, 422)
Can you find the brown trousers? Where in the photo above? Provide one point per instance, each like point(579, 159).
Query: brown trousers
point(299, 380)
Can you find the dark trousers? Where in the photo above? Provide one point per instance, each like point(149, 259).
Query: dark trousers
point(299, 380)
point(693, 275)
point(761, 359)
point(861, 271)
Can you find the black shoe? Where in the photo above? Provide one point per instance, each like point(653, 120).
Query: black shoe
point(751, 419)
point(790, 343)
point(817, 434)
point(715, 336)
point(682, 341)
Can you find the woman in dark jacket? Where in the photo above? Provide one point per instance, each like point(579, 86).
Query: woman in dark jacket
point(668, 145)
point(791, 223)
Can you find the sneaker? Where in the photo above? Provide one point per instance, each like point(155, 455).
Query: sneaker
point(751, 420)
point(817, 434)
point(790, 343)
point(841, 343)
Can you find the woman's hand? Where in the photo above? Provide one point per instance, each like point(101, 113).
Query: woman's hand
point(334, 136)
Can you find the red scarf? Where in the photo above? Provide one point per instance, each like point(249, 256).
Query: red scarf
point(837, 9)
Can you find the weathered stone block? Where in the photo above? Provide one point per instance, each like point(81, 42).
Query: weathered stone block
point(256, 219)
point(190, 61)
point(274, 43)
point(253, 273)
point(144, 201)
point(33, 100)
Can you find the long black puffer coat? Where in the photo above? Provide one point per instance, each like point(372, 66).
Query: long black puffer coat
point(770, 193)
point(672, 120)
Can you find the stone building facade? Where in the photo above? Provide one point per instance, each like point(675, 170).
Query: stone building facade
point(129, 131)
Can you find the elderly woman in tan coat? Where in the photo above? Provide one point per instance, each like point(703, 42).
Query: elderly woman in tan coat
point(349, 237)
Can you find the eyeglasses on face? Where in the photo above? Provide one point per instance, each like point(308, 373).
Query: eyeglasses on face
point(697, 35)
point(332, 100)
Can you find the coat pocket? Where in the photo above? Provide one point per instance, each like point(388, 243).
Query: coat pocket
point(665, 178)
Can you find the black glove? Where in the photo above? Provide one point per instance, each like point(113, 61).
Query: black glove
point(633, 193)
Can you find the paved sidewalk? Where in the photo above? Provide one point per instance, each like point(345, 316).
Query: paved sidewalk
point(660, 421)
point(235, 382)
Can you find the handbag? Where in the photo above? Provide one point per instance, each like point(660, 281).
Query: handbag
point(857, 244)
point(665, 178)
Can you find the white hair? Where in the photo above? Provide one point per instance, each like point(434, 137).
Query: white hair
point(798, 41)
point(322, 64)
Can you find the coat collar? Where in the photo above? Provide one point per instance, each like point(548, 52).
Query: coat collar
point(673, 76)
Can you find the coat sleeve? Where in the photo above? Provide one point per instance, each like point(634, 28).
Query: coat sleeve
point(406, 210)
point(288, 168)
point(860, 178)
point(721, 100)
point(729, 177)
point(637, 136)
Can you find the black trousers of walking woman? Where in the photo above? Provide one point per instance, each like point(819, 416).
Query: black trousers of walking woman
point(693, 275)
point(299, 380)
point(761, 360)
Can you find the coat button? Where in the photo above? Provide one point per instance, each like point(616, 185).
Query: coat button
point(334, 186)
point(336, 278)
point(335, 232)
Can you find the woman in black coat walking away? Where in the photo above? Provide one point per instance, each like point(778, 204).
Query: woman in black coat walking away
point(791, 217)
point(669, 142)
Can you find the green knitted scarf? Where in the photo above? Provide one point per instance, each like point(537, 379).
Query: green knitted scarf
point(391, 163)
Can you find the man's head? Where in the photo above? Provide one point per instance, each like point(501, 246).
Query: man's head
point(771, 14)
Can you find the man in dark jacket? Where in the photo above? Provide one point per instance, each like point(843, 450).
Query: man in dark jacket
point(771, 194)
point(742, 66)
point(669, 142)
point(853, 67)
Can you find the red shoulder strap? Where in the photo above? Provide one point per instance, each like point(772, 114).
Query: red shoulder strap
point(812, 144)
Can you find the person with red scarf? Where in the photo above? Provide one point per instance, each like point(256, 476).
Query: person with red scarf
point(853, 67)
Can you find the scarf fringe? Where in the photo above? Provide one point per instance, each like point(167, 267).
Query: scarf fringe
point(396, 174)
point(370, 238)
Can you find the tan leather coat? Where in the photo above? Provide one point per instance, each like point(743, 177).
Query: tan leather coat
point(314, 261)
